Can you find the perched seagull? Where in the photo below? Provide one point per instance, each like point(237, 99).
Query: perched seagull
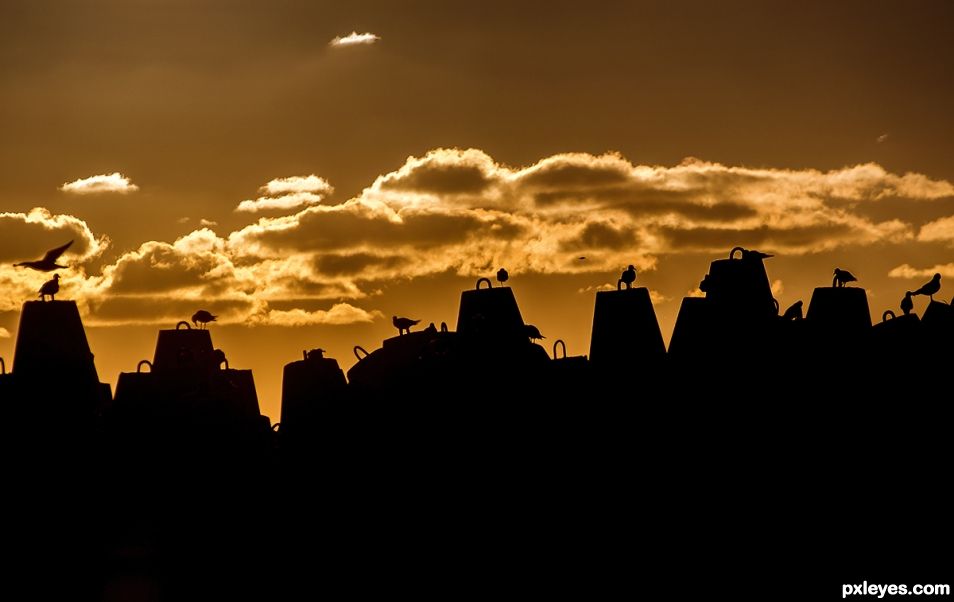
point(931, 288)
point(48, 263)
point(842, 277)
point(907, 304)
point(533, 332)
point(202, 318)
point(794, 312)
point(502, 276)
point(403, 324)
point(628, 277)
point(753, 254)
point(50, 287)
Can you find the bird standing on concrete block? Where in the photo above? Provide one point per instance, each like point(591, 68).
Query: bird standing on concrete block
point(50, 287)
point(907, 304)
point(403, 324)
point(533, 332)
point(628, 277)
point(842, 277)
point(794, 312)
point(931, 288)
point(502, 275)
point(202, 318)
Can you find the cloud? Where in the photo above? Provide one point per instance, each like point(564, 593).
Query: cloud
point(4, 333)
point(288, 193)
point(114, 182)
point(338, 314)
point(882, 138)
point(310, 183)
point(354, 39)
point(27, 236)
point(940, 230)
point(284, 202)
point(906, 271)
point(208, 223)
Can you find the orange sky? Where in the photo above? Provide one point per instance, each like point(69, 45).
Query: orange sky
point(307, 190)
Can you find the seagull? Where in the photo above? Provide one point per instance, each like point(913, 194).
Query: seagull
point(907, 304)
point(403, 324)
point(581, 258)
point(628, 277)
point(431, 328)
point(533, 332)
point(48, 263)
point(794, 312)
point(202, 318)
point(753, 254)
point(931, 288)
point(50, 287)
point(842, 277)
point(502, 276)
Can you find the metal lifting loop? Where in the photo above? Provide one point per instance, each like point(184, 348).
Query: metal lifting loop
point(887, 315)
point(141, 364)
point(443, 326)
point(358, 348)
point(188, 327)
point(3, 366)
point(562, 345)
point(487, 280)
point(732, 252)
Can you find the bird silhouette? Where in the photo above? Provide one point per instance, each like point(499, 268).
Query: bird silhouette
point(202, 318)
point(218, 358)
point(931, 288)
point(403, 324)
point(431, 328)
point(533, 332)
point(628, 277)
point(907, 304)
point(48, 263)
point(502, 276)
point(315, 354)
point(753, 254)
point(794, 312)
point(50, 287)
point(581, 258)
point(842, 277)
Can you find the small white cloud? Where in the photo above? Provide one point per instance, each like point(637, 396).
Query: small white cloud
point(208, 223)
point(777, 288)
point(906, 271)
point(339, 314)
point(4, 333)
point(309, 183)
point(354, 39)
point(114, 182)
point(182, 220)
point(288, 201)
point(882, 138)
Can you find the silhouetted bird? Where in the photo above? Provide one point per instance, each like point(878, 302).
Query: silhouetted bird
point(403, 324)
point(628, 277)
point(533, 332)
point(907, 304)
point(218, 356)
point(502, 276)
point(582, 258)
point(706, 284)
point(315, 354)
point(753, 254)
point(794, 312)
point(431, 328)
point(931, 288)
point(50, 287)
point(842, 277)
point(48, 263)
point(202, 318)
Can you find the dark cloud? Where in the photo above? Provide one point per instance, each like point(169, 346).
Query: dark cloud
point(356, 263)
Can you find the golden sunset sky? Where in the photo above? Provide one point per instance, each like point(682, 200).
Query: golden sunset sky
point(258, 160)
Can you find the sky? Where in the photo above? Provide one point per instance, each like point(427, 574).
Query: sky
point(306, 170)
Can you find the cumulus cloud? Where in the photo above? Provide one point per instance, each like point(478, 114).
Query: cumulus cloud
point(27, 236)
point(940, 230)
point(288, 193)
point(906, 271)
point(354, 39)
point(338, 314)
point(309, 183)
point(208, 223)
point(4, 333)
point(114, 182)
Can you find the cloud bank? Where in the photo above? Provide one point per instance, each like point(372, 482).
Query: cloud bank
point(354, 39)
